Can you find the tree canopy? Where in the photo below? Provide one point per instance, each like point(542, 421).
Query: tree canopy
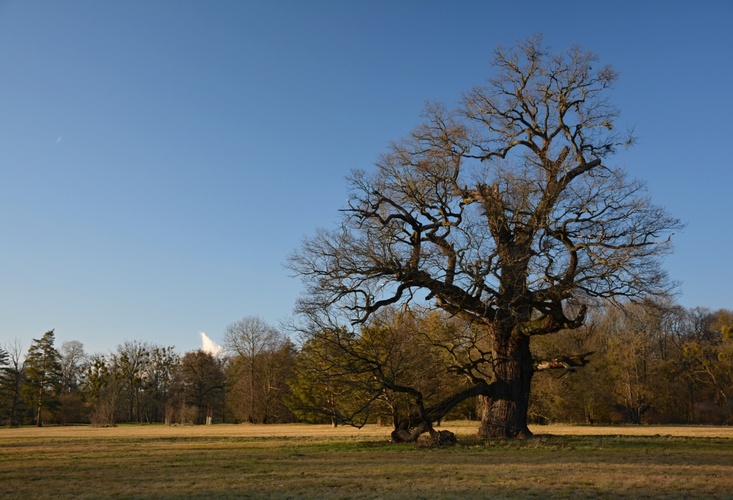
point(43, 375)
point(504, 212)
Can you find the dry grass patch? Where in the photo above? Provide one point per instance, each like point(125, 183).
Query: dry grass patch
point(636, 430)
point(321, 462)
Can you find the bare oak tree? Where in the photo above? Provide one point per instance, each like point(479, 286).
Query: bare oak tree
point(504, 212)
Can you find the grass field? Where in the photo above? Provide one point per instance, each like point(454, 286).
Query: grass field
point(298, 461)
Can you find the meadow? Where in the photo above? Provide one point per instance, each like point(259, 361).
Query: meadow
point(310, 461)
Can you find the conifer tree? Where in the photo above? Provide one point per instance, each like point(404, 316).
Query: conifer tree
point(43, 376)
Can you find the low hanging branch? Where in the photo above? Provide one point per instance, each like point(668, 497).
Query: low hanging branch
point(568, 363)
point(421, 420)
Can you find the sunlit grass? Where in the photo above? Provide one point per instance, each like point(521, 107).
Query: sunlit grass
point(317, 461)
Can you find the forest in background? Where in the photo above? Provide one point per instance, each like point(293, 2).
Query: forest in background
point(646, 363)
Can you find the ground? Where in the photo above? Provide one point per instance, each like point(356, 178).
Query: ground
point(301, 461)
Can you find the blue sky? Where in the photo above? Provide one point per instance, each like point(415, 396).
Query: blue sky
point(160, 159)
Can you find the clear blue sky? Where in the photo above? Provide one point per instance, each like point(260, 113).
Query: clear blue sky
point(160, 159)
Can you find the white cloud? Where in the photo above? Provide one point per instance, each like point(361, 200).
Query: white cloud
point(208, 345)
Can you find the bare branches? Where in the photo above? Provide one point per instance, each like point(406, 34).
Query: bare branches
point(538, 215)
point(503, 212)
point(541, 103)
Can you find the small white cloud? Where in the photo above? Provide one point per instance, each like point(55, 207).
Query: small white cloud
point(208, 345)
point(58, 140)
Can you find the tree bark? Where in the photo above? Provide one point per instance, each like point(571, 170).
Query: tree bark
point(39, 410)
point(504, 411)
point(404, 435)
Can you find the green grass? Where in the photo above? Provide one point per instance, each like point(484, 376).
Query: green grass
point(318, 462)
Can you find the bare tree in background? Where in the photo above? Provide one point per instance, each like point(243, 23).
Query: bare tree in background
point(73, 365)
point(250, 339)
point(129, 365)
point(504, 212)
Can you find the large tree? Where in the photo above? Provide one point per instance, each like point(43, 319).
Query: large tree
point(43, 380)
point(130, 363)
point(199, 383)
point(11, 383)
point(103, 389)
point(161, 364)
point(504, 212)
point(12, 374)
point(261, 363)
point(73, 367)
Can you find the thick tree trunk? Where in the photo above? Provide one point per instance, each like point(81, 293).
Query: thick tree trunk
point(504, 412)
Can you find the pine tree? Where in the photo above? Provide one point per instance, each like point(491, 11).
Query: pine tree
point(43, 376)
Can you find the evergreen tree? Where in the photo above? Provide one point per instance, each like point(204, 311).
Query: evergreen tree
point(43, 376)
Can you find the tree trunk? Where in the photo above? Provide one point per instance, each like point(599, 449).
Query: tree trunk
point(39, 411)
point(504, 412)
point(252, 391)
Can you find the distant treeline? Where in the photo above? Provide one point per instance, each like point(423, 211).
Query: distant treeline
point(650, 363)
